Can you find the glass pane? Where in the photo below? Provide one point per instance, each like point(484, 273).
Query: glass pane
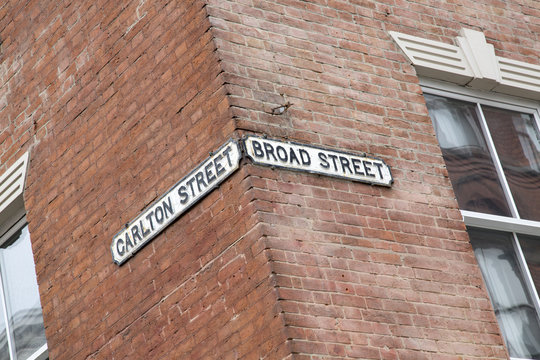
point(466, 155)
point(530, 245)
point(4, 347)
point(20, 286)
point(511, 301)
point(517, 142)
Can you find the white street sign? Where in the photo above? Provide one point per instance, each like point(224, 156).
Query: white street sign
point(192, 188)
point(318, 160)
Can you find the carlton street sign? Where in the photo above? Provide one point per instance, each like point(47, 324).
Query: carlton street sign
point(318, 160)
point(192, 188)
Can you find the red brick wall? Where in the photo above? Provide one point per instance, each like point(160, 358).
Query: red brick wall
point(120, 100)
point(363, 272)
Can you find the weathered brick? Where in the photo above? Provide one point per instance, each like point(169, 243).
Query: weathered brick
point(119, 100)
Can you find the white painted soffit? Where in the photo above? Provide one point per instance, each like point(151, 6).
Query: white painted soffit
point(472, 63)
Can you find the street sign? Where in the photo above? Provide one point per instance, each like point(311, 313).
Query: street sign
point(318, 160)
point(176, 201)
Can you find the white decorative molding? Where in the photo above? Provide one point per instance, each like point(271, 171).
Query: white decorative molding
point(12, 183)
point(472, 63)
point(435, 59)
point(521, 76)
point(481, 57)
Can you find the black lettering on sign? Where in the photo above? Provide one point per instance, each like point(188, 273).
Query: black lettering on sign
point(324, 161)
point(149, 218)
point(200, 180)
point(226, 152)
point(356, 166)
point(135, 234)
point(159, 215)
point(269, 151)
point(210, 177)
point(368, 168)
point(257, 149)
point(293, 157)
point(168, 207)
point(344, 163)
point(217, 164)
point(379, 166)
point(120, 247)
point(190, 183)
point(128, 242)
point(144, 230)
point(184, 196)
point(306, 159)
point(282, 153)
point(334, 158)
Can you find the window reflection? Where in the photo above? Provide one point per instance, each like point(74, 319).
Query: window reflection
point(471, 168)
point(511, 301)
point(4, 347)
point(466, 155)
point(516, 140)
point(530, 245)
point(21, 295)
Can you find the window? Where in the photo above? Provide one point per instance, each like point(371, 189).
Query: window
point(491, 147)
point(22, 333)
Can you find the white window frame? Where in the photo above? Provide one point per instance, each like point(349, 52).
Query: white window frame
point(514, 225)
point(12, 219)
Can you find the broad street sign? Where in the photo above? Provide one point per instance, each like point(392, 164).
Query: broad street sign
point(318, 160)
point(177, 200)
